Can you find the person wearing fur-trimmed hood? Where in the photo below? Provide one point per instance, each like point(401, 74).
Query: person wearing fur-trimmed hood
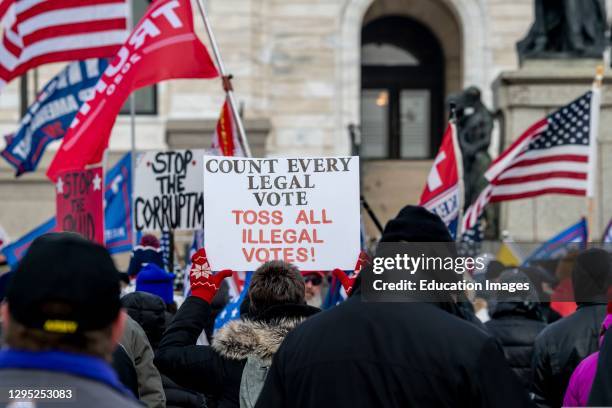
point(233, 369)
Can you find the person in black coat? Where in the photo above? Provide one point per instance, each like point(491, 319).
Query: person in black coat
point(277, 304)
point(150, 312)
point(375, 354)
point(516, 321)
point(562, 345)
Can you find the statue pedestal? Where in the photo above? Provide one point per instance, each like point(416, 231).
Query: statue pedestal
point(527, 95)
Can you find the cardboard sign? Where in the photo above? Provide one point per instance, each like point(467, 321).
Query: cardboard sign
point(80, 206)
point(304, 211)
point(168, 190)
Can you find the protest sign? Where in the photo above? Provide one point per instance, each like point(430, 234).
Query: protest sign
point(304, 211)
point(79, 198)
point(168, 190)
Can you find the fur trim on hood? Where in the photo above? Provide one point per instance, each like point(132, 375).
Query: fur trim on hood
point(240, 338)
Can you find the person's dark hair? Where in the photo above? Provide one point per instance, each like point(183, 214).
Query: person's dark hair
point(275, 283)
point(591, 275)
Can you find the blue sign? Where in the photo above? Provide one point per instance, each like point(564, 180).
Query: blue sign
point(118, 207)
point(117, 216)
point(49, 117)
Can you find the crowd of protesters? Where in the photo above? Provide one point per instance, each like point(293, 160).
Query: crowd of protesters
point(72, 331)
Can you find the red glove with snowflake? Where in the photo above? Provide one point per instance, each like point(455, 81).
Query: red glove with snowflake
point(348, 282)
point(204, 284)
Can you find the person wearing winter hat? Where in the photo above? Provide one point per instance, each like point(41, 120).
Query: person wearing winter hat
point(62, 320)
point(155, 280)
point(516, 320)
point(232, 370)
point(148, 252)
point(378, 354)
point(561, 346)
point(583, 377)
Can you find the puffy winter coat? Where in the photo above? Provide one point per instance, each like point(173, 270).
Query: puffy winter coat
point(217, 370)
point(361, 354)
point(516, 326)
point(150, 312)
point(560, 347)
point(581, 381)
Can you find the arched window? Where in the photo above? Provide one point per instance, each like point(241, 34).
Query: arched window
point(402, 97)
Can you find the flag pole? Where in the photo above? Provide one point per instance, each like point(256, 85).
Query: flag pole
point(132, 129)
point(593, 154)
point(459, 159)
point(227, 81)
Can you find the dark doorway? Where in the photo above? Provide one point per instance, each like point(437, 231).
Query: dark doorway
point(402, 96)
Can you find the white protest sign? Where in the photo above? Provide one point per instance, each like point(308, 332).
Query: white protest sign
point(305, 211)
point(168, 190)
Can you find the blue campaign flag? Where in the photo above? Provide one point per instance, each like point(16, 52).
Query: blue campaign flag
point(15, 251)
point(117, 216)
point(49, 117)
point(574, 237)
point(118, 207)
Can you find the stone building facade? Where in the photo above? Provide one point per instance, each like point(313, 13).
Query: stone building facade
point(298, 76)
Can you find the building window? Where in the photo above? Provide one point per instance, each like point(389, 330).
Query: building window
point(145, 98)
point(402, 90)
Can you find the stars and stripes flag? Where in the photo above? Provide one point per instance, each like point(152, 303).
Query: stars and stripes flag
point(37, 32)
point(555, 155)
point(443, 193)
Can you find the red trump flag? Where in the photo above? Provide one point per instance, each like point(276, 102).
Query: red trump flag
point(162, 46)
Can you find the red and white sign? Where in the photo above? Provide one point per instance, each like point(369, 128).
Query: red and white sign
point(162, 46)
point(300, 210)
point(80, 203)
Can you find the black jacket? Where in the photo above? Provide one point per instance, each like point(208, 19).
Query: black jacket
point(179, 397)
point(559, 349)
point(516, 326)
point(389, 355)
point(217, 370)
point(150, 312)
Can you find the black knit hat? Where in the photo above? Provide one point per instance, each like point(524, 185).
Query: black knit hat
point(416, 224)
point(65, 284)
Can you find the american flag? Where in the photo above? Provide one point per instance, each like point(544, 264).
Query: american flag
point(555, 155)
point(37, 32)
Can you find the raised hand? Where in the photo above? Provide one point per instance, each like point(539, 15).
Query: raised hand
point(204, 284)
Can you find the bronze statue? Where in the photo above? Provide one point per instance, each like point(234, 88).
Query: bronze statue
point(566, 29)
point(474, 128)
